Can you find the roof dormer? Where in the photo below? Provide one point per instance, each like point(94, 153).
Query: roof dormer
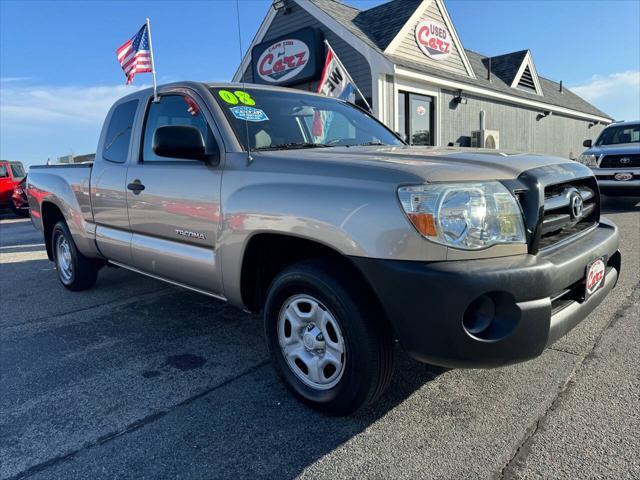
point(526, 77)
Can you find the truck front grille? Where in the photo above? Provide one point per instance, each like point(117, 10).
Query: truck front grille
point(569, 208)
point(558, 202)
point(620, 161)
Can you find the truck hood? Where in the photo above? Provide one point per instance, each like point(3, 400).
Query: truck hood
point(429, 163)
point(618, 149)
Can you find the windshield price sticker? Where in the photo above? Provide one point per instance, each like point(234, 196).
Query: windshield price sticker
point(236, 97)
point(249, 114)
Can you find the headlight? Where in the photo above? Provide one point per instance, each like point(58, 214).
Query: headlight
point(588, 160)
point(470, 216)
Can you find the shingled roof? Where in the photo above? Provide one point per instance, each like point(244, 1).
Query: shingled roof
point(506, 66)
point(378, 26)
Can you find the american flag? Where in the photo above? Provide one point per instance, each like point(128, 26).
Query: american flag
point(135, 55)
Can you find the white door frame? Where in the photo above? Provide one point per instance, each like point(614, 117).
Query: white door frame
point(412, 86)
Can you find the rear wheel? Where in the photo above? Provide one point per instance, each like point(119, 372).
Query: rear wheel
point(328, 343)
point(75, 271)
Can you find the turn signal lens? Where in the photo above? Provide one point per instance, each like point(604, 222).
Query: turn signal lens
point(424, 223)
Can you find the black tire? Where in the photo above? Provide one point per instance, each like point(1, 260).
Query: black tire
point(368, 359)
point(83, 272)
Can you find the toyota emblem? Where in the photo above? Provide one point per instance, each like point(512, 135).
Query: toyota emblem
point(625, 160)
point(577, 206)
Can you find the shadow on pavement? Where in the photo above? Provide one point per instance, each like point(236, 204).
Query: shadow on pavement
point(620, 204)
point(180, 375)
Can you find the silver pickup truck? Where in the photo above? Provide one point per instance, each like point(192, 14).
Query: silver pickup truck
point(311, 211)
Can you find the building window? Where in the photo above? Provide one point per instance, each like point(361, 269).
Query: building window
point(415, 118)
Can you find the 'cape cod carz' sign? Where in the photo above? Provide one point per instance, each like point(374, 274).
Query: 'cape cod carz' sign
point(433, 39)
point(287, 60)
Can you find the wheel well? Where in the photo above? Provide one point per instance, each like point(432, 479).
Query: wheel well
point(268, 254)
point(51, 215)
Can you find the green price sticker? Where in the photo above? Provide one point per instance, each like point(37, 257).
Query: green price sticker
point(233, 98)
point(245, 98)
point(228, 97)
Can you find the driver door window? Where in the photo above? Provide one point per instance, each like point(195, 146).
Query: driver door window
point(174, 110)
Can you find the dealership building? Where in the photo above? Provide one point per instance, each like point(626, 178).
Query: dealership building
point(407, 59)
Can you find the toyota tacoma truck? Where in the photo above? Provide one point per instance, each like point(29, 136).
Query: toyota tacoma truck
point(311, 211)
point(615, 159)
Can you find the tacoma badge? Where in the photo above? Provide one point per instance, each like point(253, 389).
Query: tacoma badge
point(190, 234)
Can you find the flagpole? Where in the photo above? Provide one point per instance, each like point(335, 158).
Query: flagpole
point(153, 66)
point(354, 82)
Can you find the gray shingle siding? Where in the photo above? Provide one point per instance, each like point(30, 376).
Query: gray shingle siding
point(520, 128)
point(408, 48)
point(298, 18)
point(552, 94)
point(378, 34)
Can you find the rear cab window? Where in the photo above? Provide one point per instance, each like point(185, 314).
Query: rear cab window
point(118, 138)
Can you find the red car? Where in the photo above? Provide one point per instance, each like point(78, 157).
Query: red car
point(11, 174)
point(20, 201)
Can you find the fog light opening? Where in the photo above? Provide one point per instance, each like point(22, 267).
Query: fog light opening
point(479, 315)
point(492, 316)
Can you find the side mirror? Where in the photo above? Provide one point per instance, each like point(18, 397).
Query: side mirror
point(179, 141)
point(587, 143)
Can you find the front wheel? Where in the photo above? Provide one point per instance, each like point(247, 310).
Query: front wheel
point(75, 271)
point(328, 341)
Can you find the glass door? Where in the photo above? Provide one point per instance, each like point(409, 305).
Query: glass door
point(415, 117)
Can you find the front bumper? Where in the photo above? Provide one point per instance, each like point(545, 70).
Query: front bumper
point(426, 303)
point(608, 184)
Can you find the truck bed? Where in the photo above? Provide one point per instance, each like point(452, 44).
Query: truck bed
point(67, 188)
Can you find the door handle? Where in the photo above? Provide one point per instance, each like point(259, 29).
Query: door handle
point(136, 186)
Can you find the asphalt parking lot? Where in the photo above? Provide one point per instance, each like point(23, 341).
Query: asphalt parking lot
point(137, 379)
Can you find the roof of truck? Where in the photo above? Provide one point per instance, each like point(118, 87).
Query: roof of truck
point(145, 92)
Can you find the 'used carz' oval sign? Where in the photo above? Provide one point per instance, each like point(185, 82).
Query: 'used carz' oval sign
point(433, 39)
point(283, 60)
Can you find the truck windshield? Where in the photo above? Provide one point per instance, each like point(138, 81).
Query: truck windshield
point(276, 120)
point(619, 134)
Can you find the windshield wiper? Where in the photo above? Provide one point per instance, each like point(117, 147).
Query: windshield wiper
point(366, 144)
point(293, 146)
